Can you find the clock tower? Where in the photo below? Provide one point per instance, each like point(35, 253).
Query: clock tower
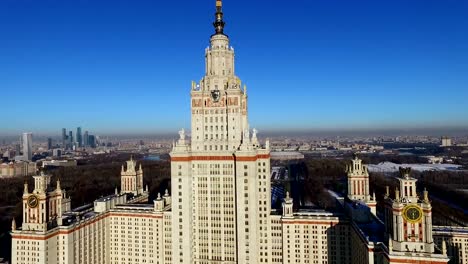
point(43, 206)
point(408, 224)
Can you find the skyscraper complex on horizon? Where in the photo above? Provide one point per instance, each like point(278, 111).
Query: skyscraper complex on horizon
point(80, 140)
point(219, 207)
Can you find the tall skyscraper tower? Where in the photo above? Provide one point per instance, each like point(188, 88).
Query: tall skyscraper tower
point(64, 138)
point(27, 146)
point(220, 182)
point(79, 139)
point(70, 138)
point(86, 139)
point(49, 143)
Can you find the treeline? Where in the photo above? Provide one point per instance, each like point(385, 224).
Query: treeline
point(94, 178)
point(99, 176)
point(88, 182)
point(448, 201)
point(397, 159)
point(447, 186)
point(320, 175)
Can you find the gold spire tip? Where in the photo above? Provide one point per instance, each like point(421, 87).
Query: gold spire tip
point(219, 3)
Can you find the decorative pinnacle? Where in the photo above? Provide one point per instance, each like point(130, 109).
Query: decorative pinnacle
point(405, 172)
point(219, 23)
point(390, 244)
point(426, 196)
point(444, 248)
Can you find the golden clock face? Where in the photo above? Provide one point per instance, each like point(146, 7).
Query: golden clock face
point(33, 202)
point(412, 213)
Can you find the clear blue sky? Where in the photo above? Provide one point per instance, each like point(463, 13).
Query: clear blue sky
point(126, 66)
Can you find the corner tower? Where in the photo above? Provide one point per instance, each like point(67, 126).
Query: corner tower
point(358, 183)
point(220, 179)
point(44, 206)
point(408, 223)
point(131, 178)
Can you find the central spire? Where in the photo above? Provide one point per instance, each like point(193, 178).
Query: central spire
point(219, 23)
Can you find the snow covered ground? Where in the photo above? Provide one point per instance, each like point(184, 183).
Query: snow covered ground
point(393, 167)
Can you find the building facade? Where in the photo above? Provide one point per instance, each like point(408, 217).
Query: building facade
point(456, 242)
point(132, 178)
point(408, 225)
point(17, 169)
point(219, 209)
point(358, 183)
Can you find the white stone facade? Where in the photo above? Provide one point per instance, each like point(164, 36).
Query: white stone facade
point(219, 210)
point(17, 169)
point(456, 242)
point(132, 178)
point(358, 184)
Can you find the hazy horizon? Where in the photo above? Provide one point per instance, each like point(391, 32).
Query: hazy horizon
point(434, 132)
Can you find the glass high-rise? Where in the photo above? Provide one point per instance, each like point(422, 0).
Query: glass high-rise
point(79, 139)
point(27, 146)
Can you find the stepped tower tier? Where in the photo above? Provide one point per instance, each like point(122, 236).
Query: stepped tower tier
point(132, 178)
point(358, 180)
point(220, 178)
point(44, 206)
point(219, 103)
point(408, 220)
point(358, 183)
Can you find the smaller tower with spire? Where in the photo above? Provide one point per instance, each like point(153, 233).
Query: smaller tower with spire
point(408, 218)
point(132, 178)
point(44, 205)
point(358, 183)
point(287, 206)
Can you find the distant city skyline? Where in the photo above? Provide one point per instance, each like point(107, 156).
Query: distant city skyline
point(456, 132)
point(126, 67)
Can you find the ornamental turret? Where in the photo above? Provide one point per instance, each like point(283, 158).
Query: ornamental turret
point(358, 183)
point(132, 178)
point(408, 222)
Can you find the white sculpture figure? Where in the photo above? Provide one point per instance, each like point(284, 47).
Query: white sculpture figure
point(182, 134)
point(246, 135)
point(254, 137)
